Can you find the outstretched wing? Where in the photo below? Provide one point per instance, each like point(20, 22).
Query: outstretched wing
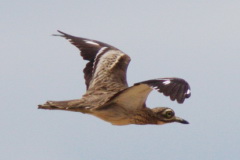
point(135, 97)
point(107, 65)
point(176, 88)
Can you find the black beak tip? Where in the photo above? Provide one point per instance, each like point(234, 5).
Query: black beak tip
point(184, 122)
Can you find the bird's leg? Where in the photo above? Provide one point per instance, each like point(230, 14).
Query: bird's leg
point(69, 105)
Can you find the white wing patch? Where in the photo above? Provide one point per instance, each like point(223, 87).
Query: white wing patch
point(91, 42)
point(166, 82)
point(155, 88)
point(188, 92)
point(70, 40)
point(98, 53)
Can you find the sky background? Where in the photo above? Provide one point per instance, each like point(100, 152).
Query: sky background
point(195, 40)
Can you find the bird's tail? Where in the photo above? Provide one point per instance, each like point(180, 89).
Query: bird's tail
point(69, 105)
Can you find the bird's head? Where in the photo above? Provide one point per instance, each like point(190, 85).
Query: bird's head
point(167, 115)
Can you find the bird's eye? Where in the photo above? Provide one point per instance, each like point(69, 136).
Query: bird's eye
point(169, 114)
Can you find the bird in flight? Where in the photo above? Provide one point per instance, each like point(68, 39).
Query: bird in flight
point(108, 95)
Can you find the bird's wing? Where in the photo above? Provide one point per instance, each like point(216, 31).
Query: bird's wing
point(135, 97)
point(107, 65)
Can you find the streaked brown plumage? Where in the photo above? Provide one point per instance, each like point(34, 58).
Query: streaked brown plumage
point(108, 96)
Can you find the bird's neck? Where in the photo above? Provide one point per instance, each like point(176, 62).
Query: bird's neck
point(146, 116)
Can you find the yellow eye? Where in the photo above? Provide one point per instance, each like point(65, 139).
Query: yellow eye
point(169, 114)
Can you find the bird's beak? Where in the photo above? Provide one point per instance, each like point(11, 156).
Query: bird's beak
point(180, 120)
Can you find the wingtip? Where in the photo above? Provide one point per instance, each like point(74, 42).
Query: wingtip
point(61, 35)
point(61, 32)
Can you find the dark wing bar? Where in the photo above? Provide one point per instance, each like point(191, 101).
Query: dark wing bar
point(88, 50)
point(177, 88)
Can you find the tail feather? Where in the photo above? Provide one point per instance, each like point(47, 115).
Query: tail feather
point(71, 105)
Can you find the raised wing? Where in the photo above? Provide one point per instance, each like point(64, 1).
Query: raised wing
point(107, 65)
point(135, 97)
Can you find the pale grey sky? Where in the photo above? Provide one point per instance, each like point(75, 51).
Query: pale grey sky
point(195, 40)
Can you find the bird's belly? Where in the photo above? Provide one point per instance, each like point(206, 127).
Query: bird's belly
point(114, 118)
